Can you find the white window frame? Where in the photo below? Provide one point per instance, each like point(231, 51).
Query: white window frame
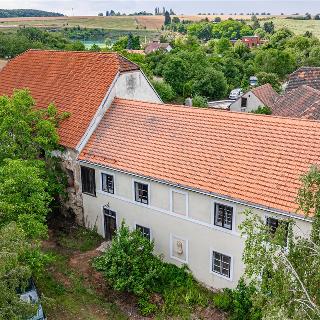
point(211, 264)
point(187, 201)
point(234, 213)
point(133, 193)
point(171, 248)
point(114, 182)
point(145, 226)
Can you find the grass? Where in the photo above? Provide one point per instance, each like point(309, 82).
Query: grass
point(67, 296)
point(298, 26)
point(80, 239)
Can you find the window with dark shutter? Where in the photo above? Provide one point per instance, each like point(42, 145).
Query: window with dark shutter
point(88, 181)
point(244, 102)
point(221, 264)
point(223, 216)
point(141, 192)
point(144, 231)
point(107, 183)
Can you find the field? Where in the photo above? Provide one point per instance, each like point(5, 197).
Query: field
point(298, 26)
point(119, 23)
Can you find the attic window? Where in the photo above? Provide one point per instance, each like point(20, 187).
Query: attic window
point(244, 102)
point(88, 181)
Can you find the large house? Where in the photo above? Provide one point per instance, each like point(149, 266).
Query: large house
point(181, 175)
point(184, 175)
point(81, 83)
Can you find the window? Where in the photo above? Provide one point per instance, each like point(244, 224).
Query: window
point(141, 192)
point(144, 230)
point(244, 104)
point(221, 264)
point(274, 223)
point(223, 216)
point(88, 181)
point(179, 202)
point(107, 183)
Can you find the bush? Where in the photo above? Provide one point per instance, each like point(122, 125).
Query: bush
point(224, 300)
point(129, 265)
point(164, 90)
point(263, 110)
point(238, 302)
point(199, 101)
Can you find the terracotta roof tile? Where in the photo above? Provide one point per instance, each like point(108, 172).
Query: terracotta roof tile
point(302, 102)
point(76, 82)
point(254, 158)
point(309, 76)
point(266, 94)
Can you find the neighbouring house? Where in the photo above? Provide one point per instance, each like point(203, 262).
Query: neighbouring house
point(136, 51)
point(300, 102)
point(263, 95)
point(309, 76)
point(81, 83)
point(184, 175)
point(155, 46)
point(250, 41)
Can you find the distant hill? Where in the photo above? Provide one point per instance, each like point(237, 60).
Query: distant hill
point(15, 13)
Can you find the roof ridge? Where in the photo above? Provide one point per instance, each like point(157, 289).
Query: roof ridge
point(240, 114)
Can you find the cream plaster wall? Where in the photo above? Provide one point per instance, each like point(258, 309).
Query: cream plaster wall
point(196, 229)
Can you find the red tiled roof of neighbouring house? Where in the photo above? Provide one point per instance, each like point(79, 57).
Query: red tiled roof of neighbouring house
point(309, 76)
point(154, 46)
point(302, 102)
point(76, 82)
point(266, 94)
point(254, 158)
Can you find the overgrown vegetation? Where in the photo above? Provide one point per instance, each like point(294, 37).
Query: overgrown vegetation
point(283, 267)
point(130, 265)
point(30, 178)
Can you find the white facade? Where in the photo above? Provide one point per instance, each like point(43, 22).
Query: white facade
point(181, 223)
point(129, 85)
point(252, 103)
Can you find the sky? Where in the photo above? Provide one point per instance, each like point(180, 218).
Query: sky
point(93, 7)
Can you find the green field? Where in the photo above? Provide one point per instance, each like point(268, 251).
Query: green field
point(124, 23)
point(298, 26)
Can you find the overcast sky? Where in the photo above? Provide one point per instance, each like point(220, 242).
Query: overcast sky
point(92, 7)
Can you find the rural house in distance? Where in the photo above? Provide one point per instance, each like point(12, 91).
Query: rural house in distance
point(181, 175)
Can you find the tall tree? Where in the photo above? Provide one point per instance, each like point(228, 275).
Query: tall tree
point(167, 18)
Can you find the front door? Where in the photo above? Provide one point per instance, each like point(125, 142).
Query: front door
point(110, 223)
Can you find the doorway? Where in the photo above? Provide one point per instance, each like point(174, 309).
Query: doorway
point(110, 223)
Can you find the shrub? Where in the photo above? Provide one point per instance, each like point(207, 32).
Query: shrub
point(164, 90)
point(224, 300)
point(263, 110)
point(129, 265)
point(199, 101)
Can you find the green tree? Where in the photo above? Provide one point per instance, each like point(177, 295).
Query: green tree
point(175, 72)
point(223, 45)
point(167, 18)
point(164, 90)
point(199, 101)
point(263, 110)
point(280, 62)
point(76, 46)
point(14, 273)
point(268, 27)
point(286, 288)
point(212, 84)
point(240, 49)
point(28, 206)
point(29, 133)
point(270, 78)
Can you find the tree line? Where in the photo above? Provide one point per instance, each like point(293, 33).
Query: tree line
point(14, 13)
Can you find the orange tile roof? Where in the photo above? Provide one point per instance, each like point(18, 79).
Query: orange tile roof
point(76, 82)
point(266, 94)
point(254, 158)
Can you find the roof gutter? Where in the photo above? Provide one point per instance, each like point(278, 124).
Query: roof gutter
point(219, 196)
